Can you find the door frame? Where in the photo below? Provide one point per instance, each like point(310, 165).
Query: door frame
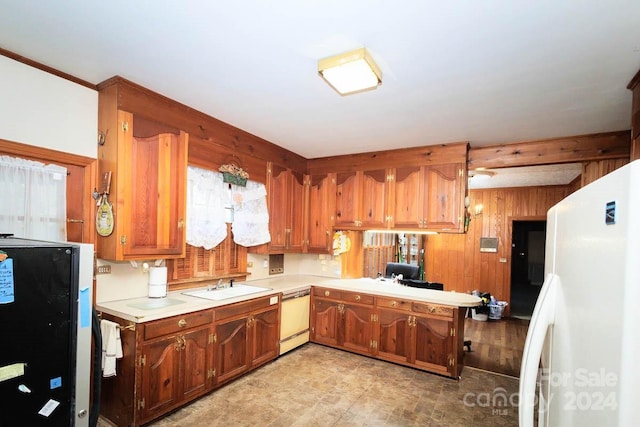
point(510, 221)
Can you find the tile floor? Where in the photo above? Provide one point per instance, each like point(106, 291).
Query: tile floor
point(319, 386)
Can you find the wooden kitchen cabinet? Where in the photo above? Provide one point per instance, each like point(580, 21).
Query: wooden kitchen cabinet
point(412, 333)
point(439, 343)
point(247, 335)
point(634, 86)
point(148, 163)
point(286, 201)
point(342, 319)
point(429, 197)
point(394, 329)
point(175, 371)
point(166, 363)
point(362, 199)
point(320, 212)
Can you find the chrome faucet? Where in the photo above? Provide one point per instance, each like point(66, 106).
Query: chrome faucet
point(211, 286)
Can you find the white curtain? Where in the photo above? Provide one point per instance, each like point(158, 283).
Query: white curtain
point(251, 216)
point(207, 197)
point(34, 199)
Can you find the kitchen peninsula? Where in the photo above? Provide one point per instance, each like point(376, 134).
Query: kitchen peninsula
point(181, 347)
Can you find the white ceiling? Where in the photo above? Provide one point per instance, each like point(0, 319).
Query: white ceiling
point(486, 71)
point(526, 176)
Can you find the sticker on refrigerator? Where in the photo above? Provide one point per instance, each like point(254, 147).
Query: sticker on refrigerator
point(610, 216)
point(55, 383)
point(49, 407)
point(6, 281)
point(11, 371)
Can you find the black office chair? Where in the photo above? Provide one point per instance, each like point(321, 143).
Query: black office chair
point(408, 271)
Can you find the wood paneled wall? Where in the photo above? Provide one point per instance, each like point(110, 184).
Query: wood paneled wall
point(594, 170)
point(456, 260)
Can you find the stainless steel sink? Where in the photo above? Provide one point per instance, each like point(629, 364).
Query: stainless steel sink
point(237, 290)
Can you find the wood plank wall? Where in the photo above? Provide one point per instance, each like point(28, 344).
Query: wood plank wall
point(455, 259)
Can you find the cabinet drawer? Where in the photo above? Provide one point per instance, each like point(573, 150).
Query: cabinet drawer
point(399, 304)
point(357, 297)
point(174, 324)
point(244, 307)
point(327, 293)
point(435, 309)
point(344, 296)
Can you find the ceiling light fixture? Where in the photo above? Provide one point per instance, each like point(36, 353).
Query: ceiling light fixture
point(350, 72)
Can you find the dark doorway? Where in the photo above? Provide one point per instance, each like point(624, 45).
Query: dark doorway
point(527, 266)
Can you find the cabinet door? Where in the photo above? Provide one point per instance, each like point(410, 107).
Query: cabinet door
point(296, 225)
point(154, 206)
point(357, 328)
point(347, 199)
point(195, 366)
point(279, 208)
point(324, 322)
point(160, 376)
point(373, 211)
point(394, 336)
point(435, 344)
point(445, 197)
point(408, 191)
point(320, 213)
point(265, 334)
point(232, 356)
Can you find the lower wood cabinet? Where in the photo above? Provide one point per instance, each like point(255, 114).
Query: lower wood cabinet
point(247, 336)
point(342, 319)
point(175, 369)
point(169, 362)
point(417, 334)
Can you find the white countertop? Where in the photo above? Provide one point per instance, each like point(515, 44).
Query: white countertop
point(175, 303)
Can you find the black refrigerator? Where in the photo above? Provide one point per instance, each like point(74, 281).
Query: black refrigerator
point(45, 330)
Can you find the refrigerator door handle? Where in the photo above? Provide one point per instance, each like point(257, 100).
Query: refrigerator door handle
point(541, 320)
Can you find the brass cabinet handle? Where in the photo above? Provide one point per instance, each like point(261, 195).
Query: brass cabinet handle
point(181, 343)
point(327, 293)
point(357, 298)
point(432, 309)
point(182, 323)
point(394, 303)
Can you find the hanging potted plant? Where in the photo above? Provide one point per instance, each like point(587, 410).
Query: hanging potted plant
point(233, 174)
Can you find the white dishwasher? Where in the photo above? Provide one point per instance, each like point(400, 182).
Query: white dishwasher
point(294, 319)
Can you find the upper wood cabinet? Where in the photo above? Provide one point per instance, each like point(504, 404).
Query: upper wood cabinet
point(148, 163)
point(429, 197)
point(361, 199)
point(320, 212)
point(286, 201)
point(634, 86)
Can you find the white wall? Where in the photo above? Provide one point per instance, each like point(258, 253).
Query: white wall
point(126, 281)
point(316, 265)
point(38, 108)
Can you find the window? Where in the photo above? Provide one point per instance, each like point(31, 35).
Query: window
point(36, 199)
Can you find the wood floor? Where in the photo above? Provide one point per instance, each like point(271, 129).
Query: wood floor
point(496, 345)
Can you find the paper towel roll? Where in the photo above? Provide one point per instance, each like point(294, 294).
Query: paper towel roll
point(157, 275)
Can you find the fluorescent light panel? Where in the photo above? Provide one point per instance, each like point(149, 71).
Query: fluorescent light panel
point(350, 72)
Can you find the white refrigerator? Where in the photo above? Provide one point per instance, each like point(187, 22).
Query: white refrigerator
point(581, 361)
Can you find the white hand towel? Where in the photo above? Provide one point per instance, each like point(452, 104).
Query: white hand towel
point(111, 347)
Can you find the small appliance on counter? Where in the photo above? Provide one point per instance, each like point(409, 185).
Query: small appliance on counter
point(157, 282)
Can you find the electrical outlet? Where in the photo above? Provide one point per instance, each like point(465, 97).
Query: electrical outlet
point(104, 269)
